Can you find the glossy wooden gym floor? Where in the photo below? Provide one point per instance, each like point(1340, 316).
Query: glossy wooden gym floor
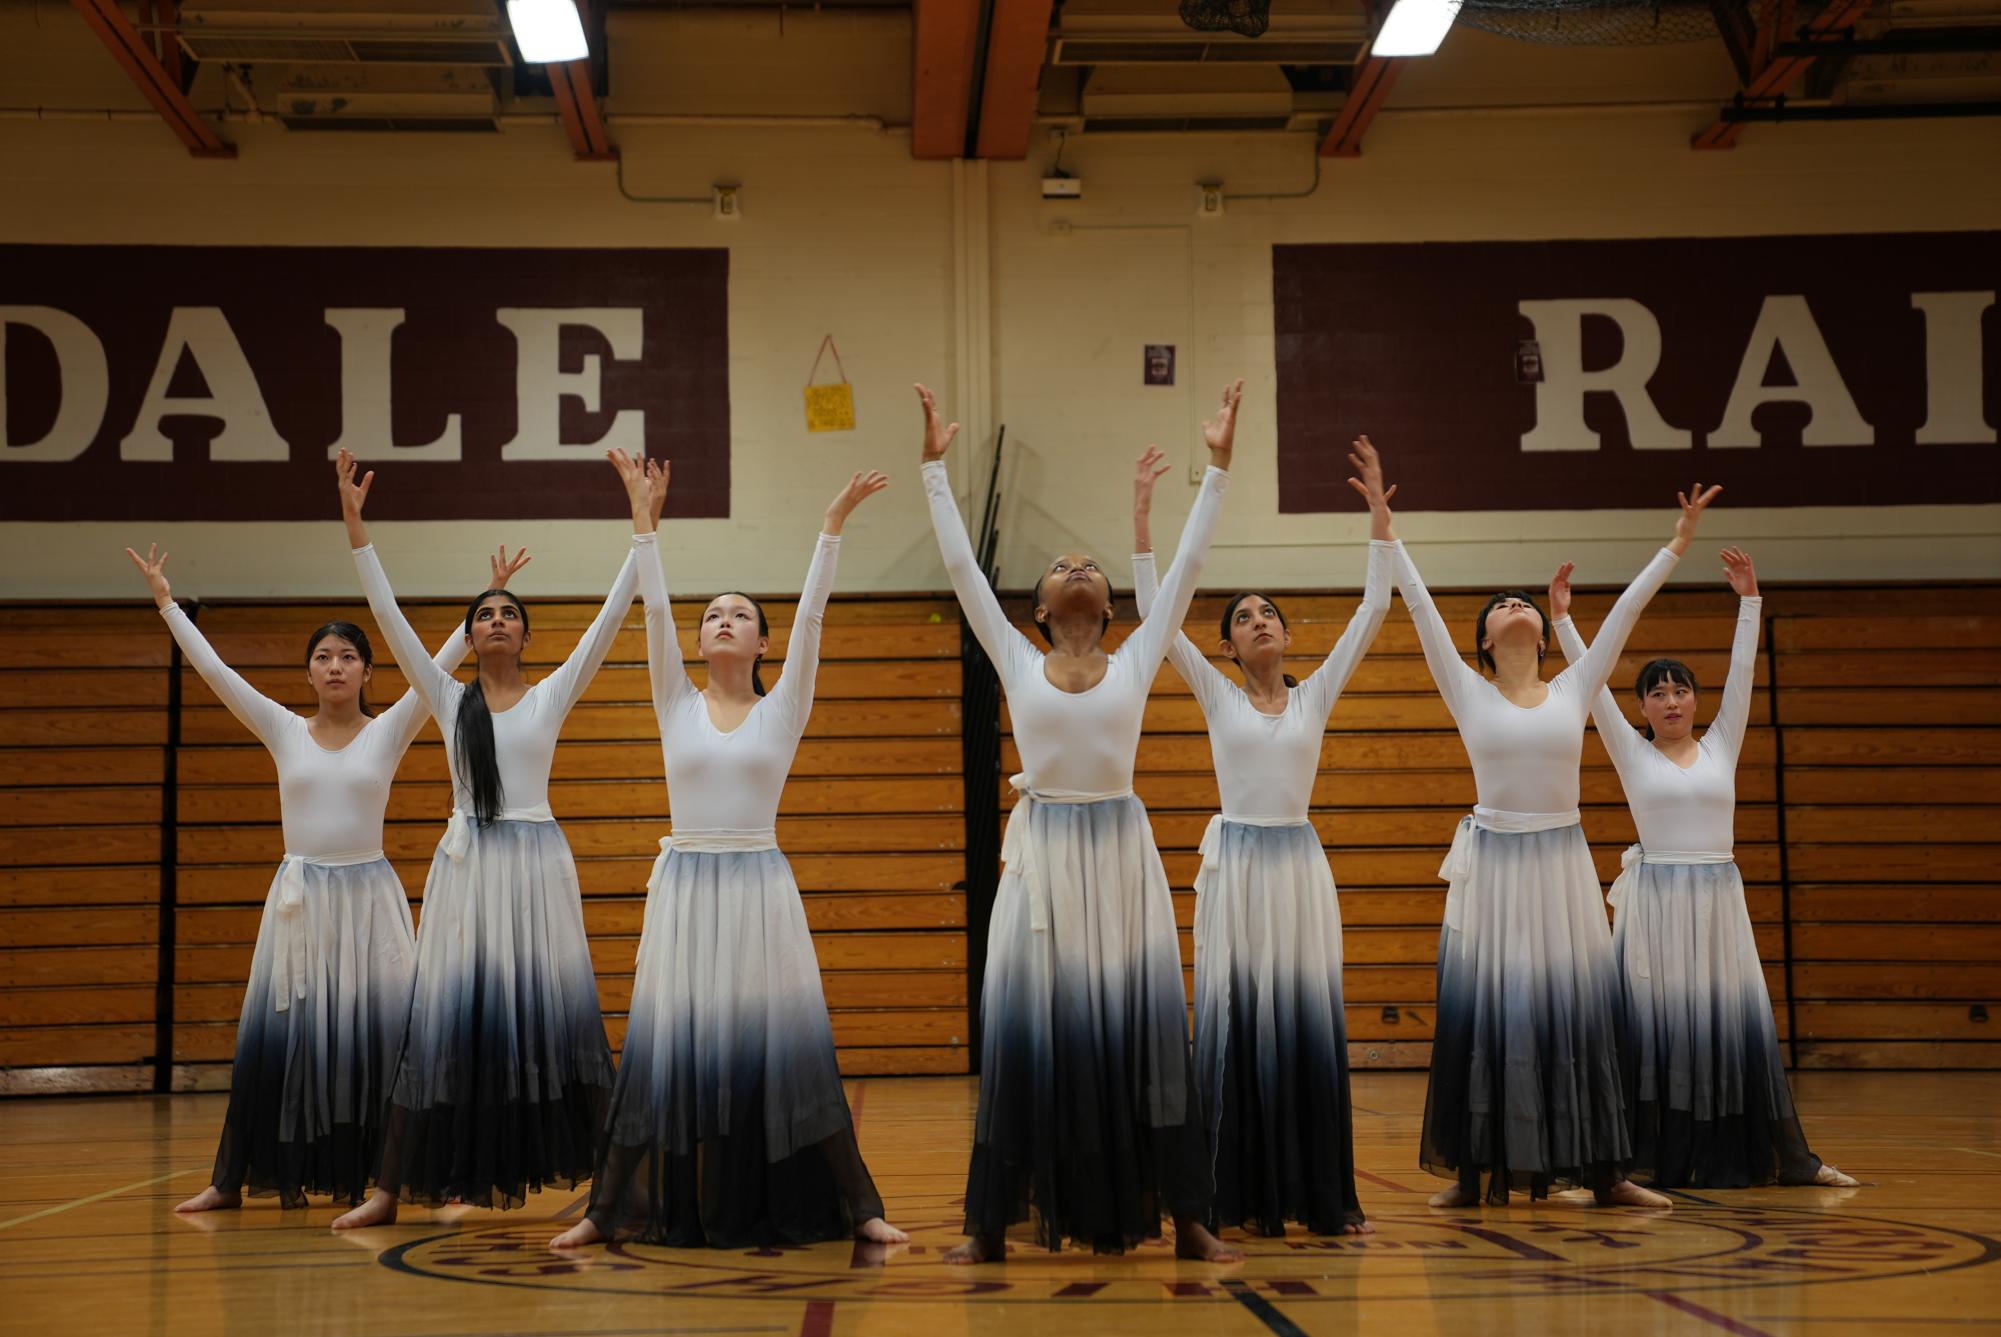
point(89, 1243)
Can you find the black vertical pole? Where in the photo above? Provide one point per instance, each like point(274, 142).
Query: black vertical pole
point(980, 754)
point(1785, 857)
point(163, 989)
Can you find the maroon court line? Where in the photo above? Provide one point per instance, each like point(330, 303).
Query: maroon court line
point(1389, 1184)
point(855, 1105)
point(819, 1320)
point(1710, 1316)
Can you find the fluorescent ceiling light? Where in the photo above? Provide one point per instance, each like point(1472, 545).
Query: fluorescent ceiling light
point(549, 30)
point(1414, 27)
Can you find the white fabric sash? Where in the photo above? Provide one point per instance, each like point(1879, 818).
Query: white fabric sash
point(709, 842)
point(1634, 856)
point(1457, 870)
point(1018, 851)
point(1212, 839)
point(291, 957)
point(458, 831)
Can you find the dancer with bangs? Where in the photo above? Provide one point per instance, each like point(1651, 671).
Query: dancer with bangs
point(505, 1072)
point(1525, 1087)
point(1706, 1086)
point(1089, 1115)
point(329, 989)
point(1271, 1042)
point(729, 1126)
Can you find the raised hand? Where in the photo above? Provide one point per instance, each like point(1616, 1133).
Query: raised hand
point(153, 567)
point(1147, 471)
point(632, 472)
point(353, 495)
point(1737, 569)
point(1220, 432)
point(859, 489)
point(1367, 461)
point(503, 567)
point(937, 436)
point(657, 473)
point(1691, 514)
point(1559, 592)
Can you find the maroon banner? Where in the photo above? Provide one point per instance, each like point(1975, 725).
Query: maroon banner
point(215, 383)
point(1572, 375)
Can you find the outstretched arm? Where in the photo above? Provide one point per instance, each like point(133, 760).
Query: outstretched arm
point(432, 683)
point(569, 682)
point(1733, 716)
point(1448, 670)
point(802, 648)
point(1148, 644)
point(1005, 646)
point(1194, 667)
point(405, 719)
point(1326, 683)
point(1619, 738)
point(259, 713)
point(646, 492)
point(1603, 656)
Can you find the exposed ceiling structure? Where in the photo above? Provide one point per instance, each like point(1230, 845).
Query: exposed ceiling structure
point(982, 74)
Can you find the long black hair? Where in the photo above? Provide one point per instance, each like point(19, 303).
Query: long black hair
point(1658, 672)
point(1480, 628)
point(1230, 611)
point(763, 633)
point(472, 735)
point(355, 637)
point(1035, 602)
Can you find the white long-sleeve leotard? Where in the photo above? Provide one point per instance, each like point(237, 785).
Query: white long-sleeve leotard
point(1525, 758)
point(1266, 764)
point(729, 783)
point(1074, 742)
point(331, 800)
point(1682, 810)
point(524, 735)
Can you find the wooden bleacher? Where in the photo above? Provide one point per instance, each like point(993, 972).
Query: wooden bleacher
point(1867, 820)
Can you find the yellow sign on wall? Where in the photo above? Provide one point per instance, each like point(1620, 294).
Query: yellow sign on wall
point(829, 408)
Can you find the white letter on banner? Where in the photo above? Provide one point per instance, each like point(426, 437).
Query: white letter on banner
point(1559, 396)
point(365, 333)
point(1952, 368)
point(82, 374)
point(247, 432)
point(1786, 323)
point(541, 385)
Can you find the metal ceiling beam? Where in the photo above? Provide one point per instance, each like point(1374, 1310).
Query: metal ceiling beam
point(1017, 42)
point(1777, 72)
point(161, 88)
point(946, 52)
point(1374, 78)
point(576, 104)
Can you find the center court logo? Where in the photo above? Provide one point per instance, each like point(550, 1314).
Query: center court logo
point(1437, 1257)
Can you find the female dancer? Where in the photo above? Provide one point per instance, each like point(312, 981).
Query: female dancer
point(728, 1126)
point(1710, 1107)
point(1271, 1042)
point(1088, 1110)
point(505, 1072)
point(329, 987)
point(1525, 1084)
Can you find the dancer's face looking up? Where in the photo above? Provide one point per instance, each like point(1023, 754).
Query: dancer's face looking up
point(1254, 631)
point(497, 626)
point(733, 627)
point(1510, 619)
point(1074, 586)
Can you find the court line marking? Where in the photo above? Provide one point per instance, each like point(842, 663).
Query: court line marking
point(1261, 1309)
point(1975, 1151)
point(1710, 1316)
point(97, 1197)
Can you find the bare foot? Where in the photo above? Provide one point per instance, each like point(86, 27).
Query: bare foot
point(1456, 1196)
point(1626, 1193)
point(379, 1210)
point(1193, 1240)
point(1829, 1177)
point(1358, 1228)
point(978, 1249)
point(577, 1236)
point(213, 1199)
point(878, 1231)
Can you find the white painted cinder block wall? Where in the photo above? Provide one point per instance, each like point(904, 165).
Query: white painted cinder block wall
point(963, 277)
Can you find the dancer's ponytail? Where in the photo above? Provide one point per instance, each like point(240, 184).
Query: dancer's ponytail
point(472, 736)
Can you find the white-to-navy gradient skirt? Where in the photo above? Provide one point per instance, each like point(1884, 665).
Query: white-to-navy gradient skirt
point(1705, 1077)
point(322, 1023)
point(1089, 1116)
point(1271, 1039)
point(505, 1071)
point(729, 1125)
point(1525, 1067)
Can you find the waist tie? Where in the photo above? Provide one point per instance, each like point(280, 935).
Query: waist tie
point(458, 831)
point(1018, 851)
point(1457, 870)
point(717, 841)
point(1212, 839)
point(1634, 856)
point(291, 959)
